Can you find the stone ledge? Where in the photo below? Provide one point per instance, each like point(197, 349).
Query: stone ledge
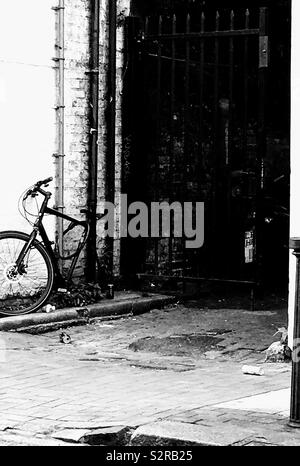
point(103, 308)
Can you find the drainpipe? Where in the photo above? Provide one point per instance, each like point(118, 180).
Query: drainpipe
point(60, 111)
point(111, 115)
point(294, 420)
point(91, 270)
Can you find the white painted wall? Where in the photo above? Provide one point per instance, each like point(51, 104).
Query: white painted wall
point(27, 131)
point(295, 153)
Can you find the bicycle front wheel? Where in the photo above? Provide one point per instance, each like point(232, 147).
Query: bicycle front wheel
point(25, 289)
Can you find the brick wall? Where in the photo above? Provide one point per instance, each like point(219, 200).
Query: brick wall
point(123, 11)
point(77, 23)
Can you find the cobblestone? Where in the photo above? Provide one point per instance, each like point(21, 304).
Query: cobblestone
point(97, 381)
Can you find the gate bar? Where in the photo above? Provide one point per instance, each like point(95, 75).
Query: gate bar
point(197, 35)
point(215, 132)
point(229, 143)
point(186, 155)
point(261, 142)
point(194, 279)
point(186, 279)
point(246, 86)
point(172, 125)
point(158, 105)
point(201, 94)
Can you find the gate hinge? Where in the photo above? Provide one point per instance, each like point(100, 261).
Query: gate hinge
point(263, 52)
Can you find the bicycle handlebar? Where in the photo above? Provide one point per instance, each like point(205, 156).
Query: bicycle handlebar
point(37, 187)
point(43, 182)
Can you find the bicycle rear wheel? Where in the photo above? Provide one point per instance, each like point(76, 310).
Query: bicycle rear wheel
point(24, 290)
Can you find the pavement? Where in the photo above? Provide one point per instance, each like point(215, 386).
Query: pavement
point(170, 376)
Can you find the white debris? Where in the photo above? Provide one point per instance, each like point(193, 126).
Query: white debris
point(278, 351)
point(48, 308)
point(252, 370)
point(275, 352)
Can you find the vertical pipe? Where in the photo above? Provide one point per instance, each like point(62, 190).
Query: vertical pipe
point(60, 111)
point(93, 140)
point(111, 104)
point(294, 420)
point(111, 115)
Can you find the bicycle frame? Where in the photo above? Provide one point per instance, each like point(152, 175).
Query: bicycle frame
point(38, 228)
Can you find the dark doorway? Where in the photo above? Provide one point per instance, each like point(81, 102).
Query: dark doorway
point(207, 119)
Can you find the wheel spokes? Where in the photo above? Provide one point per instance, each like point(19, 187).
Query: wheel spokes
point(20, 289)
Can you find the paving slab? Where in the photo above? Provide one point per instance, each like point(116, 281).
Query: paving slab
point(230, 429)
point(99, 381)
point(177, 433)
point(111, 435)
point(19, 438)
point(277, 401)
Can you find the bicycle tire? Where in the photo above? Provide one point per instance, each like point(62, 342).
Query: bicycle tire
point(25, 292)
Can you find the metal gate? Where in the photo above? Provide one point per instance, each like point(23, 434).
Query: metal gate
point(194, 130)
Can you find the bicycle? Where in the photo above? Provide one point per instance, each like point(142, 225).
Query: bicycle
point(29, 268)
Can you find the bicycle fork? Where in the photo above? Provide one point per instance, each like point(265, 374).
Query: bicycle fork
point(20, 267)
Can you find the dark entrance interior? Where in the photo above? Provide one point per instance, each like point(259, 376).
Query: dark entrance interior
point(206, 119)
